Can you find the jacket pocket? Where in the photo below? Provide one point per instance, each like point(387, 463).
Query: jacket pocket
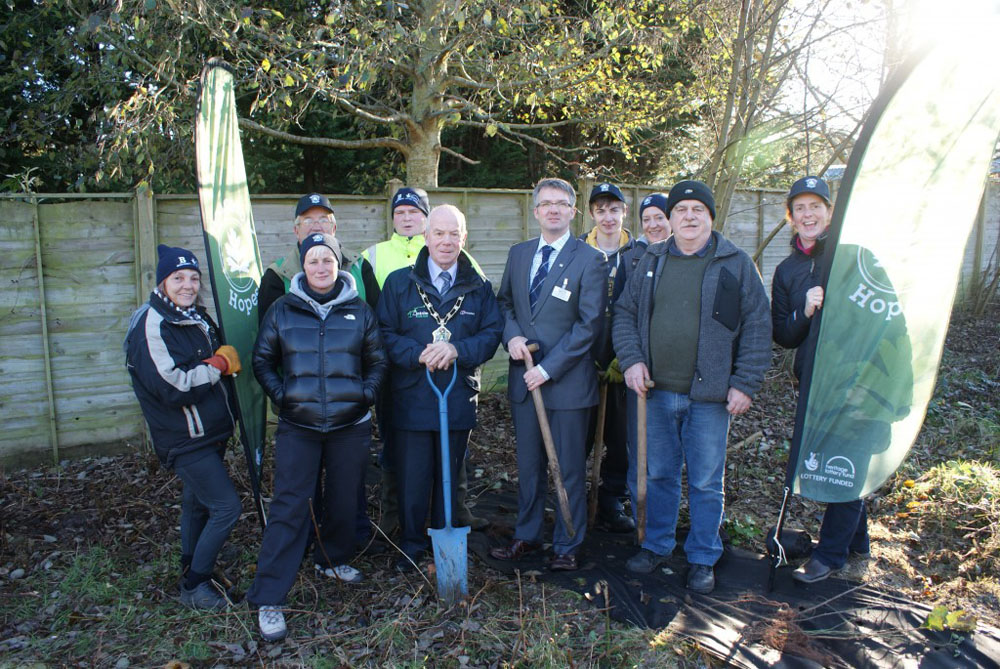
point(726, 308)
point(195, 427)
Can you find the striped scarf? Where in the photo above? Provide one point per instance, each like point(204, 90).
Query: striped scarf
point(191, 312)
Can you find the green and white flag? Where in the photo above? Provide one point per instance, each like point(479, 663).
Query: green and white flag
point(231, 242)
point(903, 216)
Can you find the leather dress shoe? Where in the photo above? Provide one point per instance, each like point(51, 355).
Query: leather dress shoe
point(515, 550)
point(564, 562)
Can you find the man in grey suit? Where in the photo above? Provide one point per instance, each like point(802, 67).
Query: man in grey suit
point(553, 293)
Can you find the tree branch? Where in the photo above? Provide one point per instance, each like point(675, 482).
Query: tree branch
point(372, 143)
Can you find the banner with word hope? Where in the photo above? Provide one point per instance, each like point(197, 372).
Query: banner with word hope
point(231, 243)
point(902, 220)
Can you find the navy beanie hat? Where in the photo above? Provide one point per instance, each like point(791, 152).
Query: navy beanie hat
point(691, 190)
point(173, 258)
point(319, 239)
point(658, 200)
point(411, 197)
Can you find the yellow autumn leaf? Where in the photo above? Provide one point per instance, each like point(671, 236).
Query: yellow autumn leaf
point(265, 65)
point(289, 81)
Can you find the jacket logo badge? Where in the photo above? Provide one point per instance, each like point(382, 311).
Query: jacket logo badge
point(349, 317)
point(417, 312)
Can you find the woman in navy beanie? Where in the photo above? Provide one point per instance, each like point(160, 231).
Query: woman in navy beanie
point(178, 371)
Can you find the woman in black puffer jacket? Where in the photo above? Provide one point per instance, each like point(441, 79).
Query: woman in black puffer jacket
point(319, 357)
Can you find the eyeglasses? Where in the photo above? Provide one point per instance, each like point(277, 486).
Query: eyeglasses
point(563, 204)
point(313, 221)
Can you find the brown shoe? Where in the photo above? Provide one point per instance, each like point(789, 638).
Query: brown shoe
point(564, 562)
point(515, 550)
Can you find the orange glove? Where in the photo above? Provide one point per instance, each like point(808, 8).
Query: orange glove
point(232, 359)
point(218, 362)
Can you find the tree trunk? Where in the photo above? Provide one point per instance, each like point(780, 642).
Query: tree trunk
point(425, 155)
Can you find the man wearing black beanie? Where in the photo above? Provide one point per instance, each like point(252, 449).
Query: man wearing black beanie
point(694, 319)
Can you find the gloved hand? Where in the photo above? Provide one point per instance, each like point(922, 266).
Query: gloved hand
point(226, 360)
point(613, 374)
point(232, 358)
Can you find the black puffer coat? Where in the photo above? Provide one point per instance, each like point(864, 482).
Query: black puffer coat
point(792, 280)
point(330, 357)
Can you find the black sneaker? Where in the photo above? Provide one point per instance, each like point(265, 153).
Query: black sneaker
point(701, 579)
point(203, 596)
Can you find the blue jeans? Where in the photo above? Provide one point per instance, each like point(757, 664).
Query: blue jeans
point(681, 431)
point(210, 507)
point(844, 529)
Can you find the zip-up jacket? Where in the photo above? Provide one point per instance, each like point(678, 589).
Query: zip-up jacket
point(603, 351)
point(734, 338)
point(392, 254)
point(277, 278)
point(793, 278)
point(407, 328)
point(330, 356)
point(186, 402)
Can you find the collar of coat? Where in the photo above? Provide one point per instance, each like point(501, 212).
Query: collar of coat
point(466, 279)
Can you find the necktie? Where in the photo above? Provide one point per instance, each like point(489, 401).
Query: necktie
point(444, 283)
point(539, 278)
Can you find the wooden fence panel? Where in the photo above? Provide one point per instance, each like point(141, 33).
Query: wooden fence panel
point(88, 253)
point(23, 393)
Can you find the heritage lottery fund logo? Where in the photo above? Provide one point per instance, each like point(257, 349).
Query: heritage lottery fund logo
point(237, 255)
point(837, 470)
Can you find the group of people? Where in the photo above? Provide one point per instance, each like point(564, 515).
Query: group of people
point(678, 317)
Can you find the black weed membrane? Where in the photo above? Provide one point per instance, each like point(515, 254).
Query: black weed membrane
point(833, 623)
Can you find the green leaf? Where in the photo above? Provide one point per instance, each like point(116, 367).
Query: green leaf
point(288, 80)
point(936, 619)
point(150, 5)
point(491, 129)
point(960, 621)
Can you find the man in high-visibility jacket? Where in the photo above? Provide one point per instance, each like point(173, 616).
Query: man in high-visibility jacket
point(410, 207)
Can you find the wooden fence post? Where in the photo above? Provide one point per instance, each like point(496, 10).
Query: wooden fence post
point(145, 243)
point(46, 353)
point(391, 187)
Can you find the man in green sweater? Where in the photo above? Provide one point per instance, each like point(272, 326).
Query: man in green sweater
point(693, 318)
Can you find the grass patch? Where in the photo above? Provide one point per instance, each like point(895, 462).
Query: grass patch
point(952, 513)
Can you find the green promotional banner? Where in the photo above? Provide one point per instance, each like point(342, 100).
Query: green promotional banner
point(902, 221)
point(231, 242)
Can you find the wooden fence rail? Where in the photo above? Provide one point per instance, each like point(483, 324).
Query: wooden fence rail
point(74, 267)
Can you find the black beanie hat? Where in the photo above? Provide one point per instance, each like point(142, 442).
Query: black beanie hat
point(691, 190)
point(319, 239)
point(658, 200)
point(411, 197)
point(173, 258)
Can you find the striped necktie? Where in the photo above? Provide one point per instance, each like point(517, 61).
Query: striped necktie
point(539, 278)
point(444, 283)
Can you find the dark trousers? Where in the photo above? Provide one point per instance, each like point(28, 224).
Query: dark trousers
point(614, 469)
point(418, 467)
point(569, 430)
point(210, 507)
point(844, 529)
point(298, 453)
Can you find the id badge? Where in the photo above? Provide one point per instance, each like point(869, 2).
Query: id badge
point(561, 293)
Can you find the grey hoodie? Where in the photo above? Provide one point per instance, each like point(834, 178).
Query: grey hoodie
point(348, 292)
